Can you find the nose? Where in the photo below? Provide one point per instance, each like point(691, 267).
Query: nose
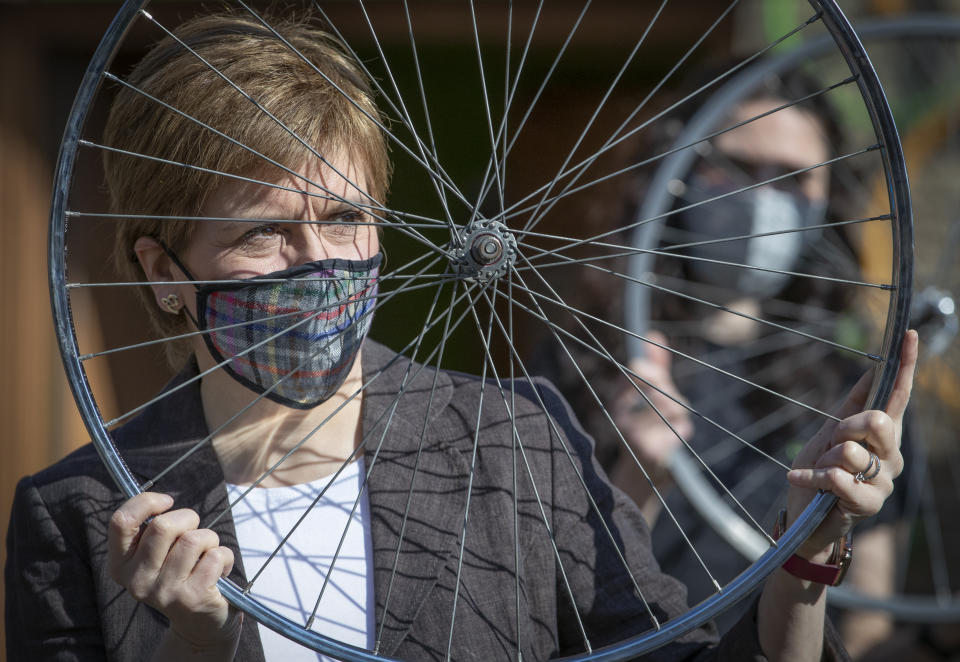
point(306, 244)
point(328, 238)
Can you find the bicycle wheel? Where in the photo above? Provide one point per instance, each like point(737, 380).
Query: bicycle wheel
point(481, 245)
point(913, 54)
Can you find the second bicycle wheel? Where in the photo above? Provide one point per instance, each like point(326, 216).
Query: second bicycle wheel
point(912, 578)
point(513, 130)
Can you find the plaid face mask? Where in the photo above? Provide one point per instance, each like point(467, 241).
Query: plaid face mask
point(292, 334)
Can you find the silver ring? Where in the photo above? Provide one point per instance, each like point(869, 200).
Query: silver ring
point(870, 471)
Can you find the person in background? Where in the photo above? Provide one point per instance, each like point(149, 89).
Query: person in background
point(781, 141)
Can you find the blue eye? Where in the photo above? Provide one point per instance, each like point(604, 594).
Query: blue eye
point(352, 216)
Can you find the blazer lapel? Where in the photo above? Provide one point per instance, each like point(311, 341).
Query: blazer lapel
point(413, 542)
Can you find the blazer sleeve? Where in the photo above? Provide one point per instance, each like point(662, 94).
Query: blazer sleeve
point(51, 610)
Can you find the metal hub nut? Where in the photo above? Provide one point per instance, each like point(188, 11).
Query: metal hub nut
point(487, 251)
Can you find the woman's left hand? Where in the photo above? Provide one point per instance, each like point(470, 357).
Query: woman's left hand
point(831, 460)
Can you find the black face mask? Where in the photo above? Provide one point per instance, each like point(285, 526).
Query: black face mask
point(755, 212)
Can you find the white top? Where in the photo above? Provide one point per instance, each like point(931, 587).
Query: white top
point(293, 580)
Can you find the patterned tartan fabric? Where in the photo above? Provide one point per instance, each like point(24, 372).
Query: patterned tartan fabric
point(295, 339)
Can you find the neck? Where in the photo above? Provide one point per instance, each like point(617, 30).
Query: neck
point(308, 443)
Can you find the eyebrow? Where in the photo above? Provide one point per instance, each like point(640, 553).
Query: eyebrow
point(335, 206)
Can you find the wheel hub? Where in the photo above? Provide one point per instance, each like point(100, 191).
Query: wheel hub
point(488, 249)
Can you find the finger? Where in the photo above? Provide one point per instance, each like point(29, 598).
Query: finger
point(903, 385)
point(666, 404)
point(874, 428)
point(652, 384)
point(648, 375)
point(861, 499)
point(185, 552)
point(160, 535)
point(657, 351)
point(652, 411)
point(655, 363)
point(850, 455)
point(124, 529)
point(215, 563)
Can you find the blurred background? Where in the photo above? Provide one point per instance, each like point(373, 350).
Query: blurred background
point(44, 49)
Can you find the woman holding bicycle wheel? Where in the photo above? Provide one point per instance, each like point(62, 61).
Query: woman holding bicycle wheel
point(283, 407)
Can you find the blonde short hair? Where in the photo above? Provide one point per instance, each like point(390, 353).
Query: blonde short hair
point(330, 112)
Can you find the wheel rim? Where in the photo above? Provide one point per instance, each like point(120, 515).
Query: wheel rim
point(75, 357)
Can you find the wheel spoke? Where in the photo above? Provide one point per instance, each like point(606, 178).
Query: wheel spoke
point(716, 306)
point(502, 138)
point(485, 341)
point(516, 210)
point(540, 90)
point(514, 438)
point(515, 358)
point(437, 277)
point(111, 77)
point(301, 141)
point(557, 329)
point(194, 334)
point(414, 234)
point(441, 348)
point(596, 398)
point(762, 426)
point(618, 137)
point(519, 444)
point(439, 179)
point(535, 216)
point(814, 320)
point(495, 166)
point(628, 374)
point(642, 222)
point(386, 130)
point(670, 248)
point(270, 318)
point(432, 225)
point(266, 112)
point(665, 252)
point(376, 453)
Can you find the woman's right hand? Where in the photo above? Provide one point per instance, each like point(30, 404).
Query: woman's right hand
point(173, 566)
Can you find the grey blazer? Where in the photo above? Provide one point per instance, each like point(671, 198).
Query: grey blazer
point(62, 605)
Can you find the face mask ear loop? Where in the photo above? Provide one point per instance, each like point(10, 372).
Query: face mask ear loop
point(192, 319)
point(187, 273)
point(176, 261)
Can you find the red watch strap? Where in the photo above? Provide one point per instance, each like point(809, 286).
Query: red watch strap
point(821, 573)
point(831, 573)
